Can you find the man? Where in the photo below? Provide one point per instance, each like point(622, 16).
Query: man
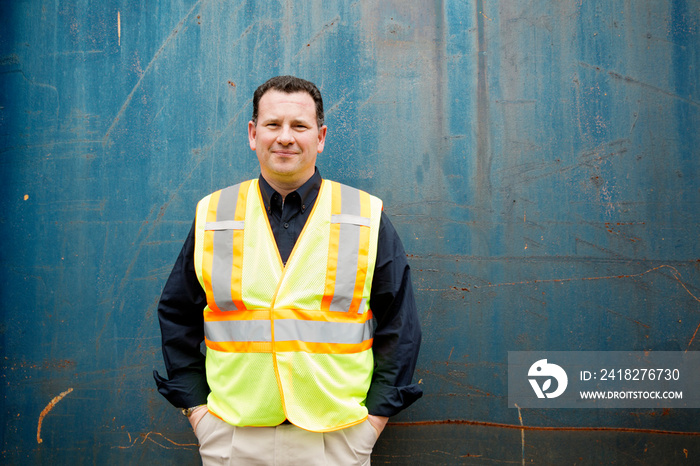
point(300, 289)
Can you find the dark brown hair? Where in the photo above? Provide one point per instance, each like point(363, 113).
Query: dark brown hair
point(289, 85)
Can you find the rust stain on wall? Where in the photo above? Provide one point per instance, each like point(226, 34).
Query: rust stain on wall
point(46, 410)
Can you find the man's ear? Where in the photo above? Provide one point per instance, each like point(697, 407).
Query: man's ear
point(251, 134)
point(321, 138)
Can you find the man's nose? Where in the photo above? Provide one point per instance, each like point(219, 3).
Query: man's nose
point(286, 136)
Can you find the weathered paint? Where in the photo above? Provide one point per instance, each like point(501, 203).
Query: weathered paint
point(540, 160)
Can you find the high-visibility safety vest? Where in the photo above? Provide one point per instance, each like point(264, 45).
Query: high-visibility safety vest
point(288, 341)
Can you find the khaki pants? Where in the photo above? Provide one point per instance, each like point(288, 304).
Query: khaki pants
point(284, 445)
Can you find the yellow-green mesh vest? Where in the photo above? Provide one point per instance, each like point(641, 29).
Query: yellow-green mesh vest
point(288, 342)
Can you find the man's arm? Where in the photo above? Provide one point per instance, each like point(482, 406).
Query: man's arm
point(398, 335)
point(182, 328)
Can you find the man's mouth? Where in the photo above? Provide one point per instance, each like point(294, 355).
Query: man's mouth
point(285, 153)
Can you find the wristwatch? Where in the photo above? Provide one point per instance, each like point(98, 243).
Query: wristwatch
point(188, 411)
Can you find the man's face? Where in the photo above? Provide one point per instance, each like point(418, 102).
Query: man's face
point(286, 138)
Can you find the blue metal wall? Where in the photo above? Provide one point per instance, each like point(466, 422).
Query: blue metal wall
point(539, 158)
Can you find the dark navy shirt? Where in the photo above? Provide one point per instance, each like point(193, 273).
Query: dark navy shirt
point(288, 216)
point(396, 338)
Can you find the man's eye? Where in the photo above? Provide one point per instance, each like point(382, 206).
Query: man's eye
point(272, 125)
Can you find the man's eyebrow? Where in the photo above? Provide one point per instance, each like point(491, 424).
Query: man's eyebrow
point(293, 121)
point(300, 120)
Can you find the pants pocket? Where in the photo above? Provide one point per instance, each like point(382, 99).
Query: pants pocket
point(203, 426)
point(215, 440)
point(361, 438)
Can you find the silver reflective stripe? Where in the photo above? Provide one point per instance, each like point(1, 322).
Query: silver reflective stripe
point(323, 332)
point(223, 250)
point(238, 330)
point(349, 201)
point(346, 272)
point(353, 219)
point(225, 225)
point(348, 250)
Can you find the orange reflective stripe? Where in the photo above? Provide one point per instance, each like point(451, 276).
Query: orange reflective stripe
point(362, 260)
point(208, 250)
point(237, 270)
point(237, 266)
point(240, 346)
point(363, 256)
point(333, 246)
point(331, 269)
point(322, 348)
point(287, 346)
point(246, 314)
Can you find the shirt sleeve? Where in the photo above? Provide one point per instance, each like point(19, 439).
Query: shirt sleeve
point(182, 329)
point(397, 336)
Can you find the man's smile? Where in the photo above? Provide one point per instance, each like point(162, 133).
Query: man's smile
point(285, 152)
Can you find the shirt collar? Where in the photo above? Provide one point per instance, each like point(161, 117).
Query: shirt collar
point(307, 192)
